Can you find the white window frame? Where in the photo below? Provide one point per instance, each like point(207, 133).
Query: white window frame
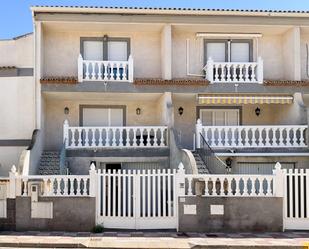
point(214, 110)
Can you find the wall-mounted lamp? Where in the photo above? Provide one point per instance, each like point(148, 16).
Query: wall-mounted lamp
point(257, 111)
point(66, 110)
point(229, 162)
point(138, 111)
point(180, 111)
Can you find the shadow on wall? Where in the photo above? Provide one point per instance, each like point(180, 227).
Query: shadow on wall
point(179, 155)
point(30, 157)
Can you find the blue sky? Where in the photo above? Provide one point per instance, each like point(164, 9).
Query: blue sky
point(15, 15)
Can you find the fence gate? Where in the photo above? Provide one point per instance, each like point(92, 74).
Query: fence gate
point(296, 199)
point(137, 199)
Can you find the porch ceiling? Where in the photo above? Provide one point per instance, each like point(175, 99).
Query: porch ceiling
point(222, 28)
point(102, 96)
point(100, 27)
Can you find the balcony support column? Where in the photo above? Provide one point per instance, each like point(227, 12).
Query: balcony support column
point(166, 52)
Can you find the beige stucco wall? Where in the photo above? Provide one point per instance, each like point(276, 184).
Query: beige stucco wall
point(270, 48)
point(65, 47)
point(18, 53)
point(17, 107)
point(9, 156)
point(54, 116)
point(304, 40)
point(271, 114)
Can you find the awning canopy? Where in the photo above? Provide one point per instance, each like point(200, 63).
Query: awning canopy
point(244, 99)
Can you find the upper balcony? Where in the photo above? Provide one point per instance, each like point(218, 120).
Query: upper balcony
point(108, 71)
point(234, 72)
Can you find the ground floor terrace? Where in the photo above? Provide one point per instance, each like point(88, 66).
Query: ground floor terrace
point(158, 130)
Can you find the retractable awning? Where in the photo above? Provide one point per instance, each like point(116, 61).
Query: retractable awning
point(244, 99)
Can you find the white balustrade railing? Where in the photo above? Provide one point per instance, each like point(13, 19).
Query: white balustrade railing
point(56, 185)
point(234, 72)
point(115, 136)
point(105, 70)
point(267, 136)
point(229, 185)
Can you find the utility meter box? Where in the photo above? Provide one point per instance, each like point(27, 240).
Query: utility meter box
point(3, 191)
point(3, 196)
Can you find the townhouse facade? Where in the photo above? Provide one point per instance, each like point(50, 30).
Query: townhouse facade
point(142, 88)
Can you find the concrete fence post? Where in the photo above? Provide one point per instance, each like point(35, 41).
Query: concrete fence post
point(13, 186)
point(198, 131)
point(92, 181)
point(66, 132)
point(260, 68)
point(80, 68)
point(278, 183)
point(131, 69)
point(210, 70)
point(180, 181)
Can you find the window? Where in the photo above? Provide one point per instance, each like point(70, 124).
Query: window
point(219, 117)
point(105, 48)
point(102, 116)
point(228, 50)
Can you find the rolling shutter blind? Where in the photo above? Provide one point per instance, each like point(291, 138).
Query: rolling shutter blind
point(117, 51)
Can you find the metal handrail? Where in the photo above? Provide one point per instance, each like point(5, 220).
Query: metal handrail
point(209, 157)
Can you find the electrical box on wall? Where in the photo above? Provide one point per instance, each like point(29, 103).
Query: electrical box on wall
point(3, 196)
point(3, 191)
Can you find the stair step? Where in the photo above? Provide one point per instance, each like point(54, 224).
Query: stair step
point(49, 163)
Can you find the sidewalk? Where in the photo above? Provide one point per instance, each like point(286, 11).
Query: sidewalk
point(156, 240)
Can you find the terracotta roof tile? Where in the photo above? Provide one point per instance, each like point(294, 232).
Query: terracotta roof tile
point(181, 82)
point(173, 8)
point(59, 80)
point(286, 83)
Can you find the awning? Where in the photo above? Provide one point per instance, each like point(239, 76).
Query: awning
point(244, 99)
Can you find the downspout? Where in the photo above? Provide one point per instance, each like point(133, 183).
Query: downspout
point(188, 61)
point(307, 62)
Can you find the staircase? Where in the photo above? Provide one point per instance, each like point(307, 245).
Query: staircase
point(201, 167)
point(49, 163)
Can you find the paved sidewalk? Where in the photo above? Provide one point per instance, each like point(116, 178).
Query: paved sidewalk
point(155, 240)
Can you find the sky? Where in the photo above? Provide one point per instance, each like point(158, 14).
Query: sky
point(15, 15)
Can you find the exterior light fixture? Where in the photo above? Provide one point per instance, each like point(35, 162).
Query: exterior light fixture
point(66, 110)
point(138, 111)
point(229, 162)
point(257, 111)
point(180, 111)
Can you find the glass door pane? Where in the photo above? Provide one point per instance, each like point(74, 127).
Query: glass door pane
point(117, 51)
point(93, 50)
point(240, 52)
point(216, 51)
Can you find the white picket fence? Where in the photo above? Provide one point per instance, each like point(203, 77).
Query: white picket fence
point(296, 199)
point(137, 199)
point(148, 199)
point(229, 185)
point(57, 185)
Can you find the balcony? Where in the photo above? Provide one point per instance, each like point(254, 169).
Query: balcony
point(108, 71)
point(115, 137)
point(253, 136)
point(234, 72)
